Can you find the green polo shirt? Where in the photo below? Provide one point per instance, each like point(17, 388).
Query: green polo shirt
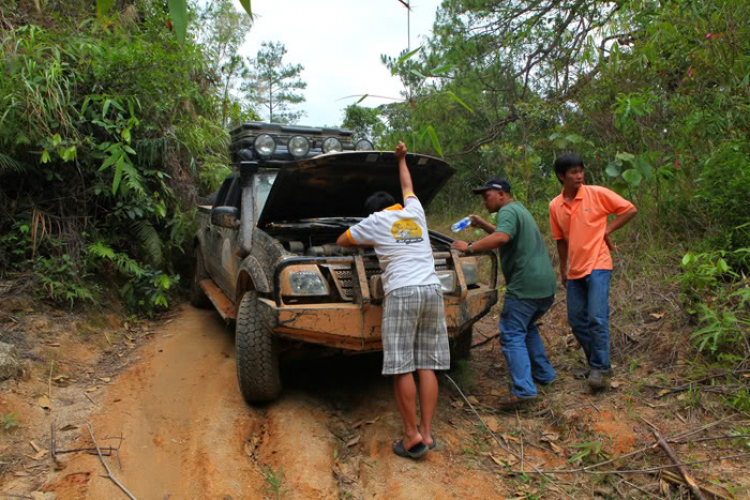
point(524, 259)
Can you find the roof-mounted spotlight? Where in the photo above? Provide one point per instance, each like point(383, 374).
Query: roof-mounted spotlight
point(363, 145)
point(332, 145)
point(298, 146)
point(265, 145)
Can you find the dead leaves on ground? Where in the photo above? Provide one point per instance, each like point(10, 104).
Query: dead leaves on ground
point(44, 402)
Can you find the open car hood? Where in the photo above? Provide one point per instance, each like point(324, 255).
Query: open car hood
point(337, 184)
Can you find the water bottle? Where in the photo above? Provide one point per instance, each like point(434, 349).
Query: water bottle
point(463, 223)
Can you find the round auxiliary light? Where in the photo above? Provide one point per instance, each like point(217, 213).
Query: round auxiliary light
point(265, 145)
point(332, 145)
point(363, 145)
point(298, 146)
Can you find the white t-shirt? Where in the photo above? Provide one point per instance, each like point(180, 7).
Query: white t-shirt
point(401, 242)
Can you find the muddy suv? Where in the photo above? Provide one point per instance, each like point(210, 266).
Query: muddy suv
point(266, 257)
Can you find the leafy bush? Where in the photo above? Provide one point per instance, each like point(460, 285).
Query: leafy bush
point(110, 129)
point(718, 296)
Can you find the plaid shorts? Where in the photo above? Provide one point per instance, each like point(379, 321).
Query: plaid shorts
point(414, 333)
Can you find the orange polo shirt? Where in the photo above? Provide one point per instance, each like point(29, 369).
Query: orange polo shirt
point(583, 225)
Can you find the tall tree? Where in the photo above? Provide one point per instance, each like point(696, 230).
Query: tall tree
point(221, 30)
point(272, 84)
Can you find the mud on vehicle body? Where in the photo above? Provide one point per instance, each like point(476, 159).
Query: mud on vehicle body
point(266, 257)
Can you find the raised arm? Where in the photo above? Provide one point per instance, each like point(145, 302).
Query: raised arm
point(403, 171)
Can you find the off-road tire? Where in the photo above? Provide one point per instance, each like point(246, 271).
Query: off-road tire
point(198, 297)
point(257, 353)
point(460, 346)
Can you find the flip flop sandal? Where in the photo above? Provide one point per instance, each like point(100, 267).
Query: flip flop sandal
point(434, 441)
point(415, 452)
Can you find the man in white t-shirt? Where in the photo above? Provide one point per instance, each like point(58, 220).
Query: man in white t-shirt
point(414, 333)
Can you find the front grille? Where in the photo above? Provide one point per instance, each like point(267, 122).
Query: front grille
point(343, 276)
point(345, 279)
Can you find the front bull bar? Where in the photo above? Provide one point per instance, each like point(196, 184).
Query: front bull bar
point(361, 287)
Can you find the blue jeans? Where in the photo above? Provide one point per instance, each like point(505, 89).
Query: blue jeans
point(522, 345)
point(588, 315)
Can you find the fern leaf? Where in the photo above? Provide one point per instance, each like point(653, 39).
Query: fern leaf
point(133, 180)
point(151, 241)
point(8, 164)
point(99, 249)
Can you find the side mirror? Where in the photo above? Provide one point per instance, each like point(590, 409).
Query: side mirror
point(228, 217)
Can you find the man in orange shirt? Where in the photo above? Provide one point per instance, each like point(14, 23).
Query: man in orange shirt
point(578, 217)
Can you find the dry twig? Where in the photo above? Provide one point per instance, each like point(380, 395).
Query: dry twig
point(109, 472)
point(500, 444)
point(636, 471)
point(485, 341)
point(675, 478)
point(687, 477)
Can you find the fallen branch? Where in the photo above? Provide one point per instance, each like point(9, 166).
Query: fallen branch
point(633, 485)
point(485, 341)
point(702, 428)
point(687, 477)
point(12, 318)
point(52, 438)
point(715, 438)
point(720, 389)
point(109, 472)
point(634, 471)
point(49, 387)
point(507, 449)
point(107, 452)
point(675, 478)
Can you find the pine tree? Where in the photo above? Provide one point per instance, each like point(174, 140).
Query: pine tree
point(272, 84)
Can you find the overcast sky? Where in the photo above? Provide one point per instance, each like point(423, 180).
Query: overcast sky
point(339, 43)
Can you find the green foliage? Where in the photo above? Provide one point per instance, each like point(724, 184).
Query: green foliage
point(147, 287)
point(718, 294)
point(654, 97)
point(9, 421)
point(590, 452)
point(110, 130)
point(275, 482)
point(364, 122)
point(61, 280)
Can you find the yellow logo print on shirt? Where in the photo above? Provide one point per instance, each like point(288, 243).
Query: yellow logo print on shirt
point(406, 231)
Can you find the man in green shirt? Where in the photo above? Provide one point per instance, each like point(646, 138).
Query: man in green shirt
point(530, 288)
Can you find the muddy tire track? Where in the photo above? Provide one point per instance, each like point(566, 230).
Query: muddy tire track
point(190, 435)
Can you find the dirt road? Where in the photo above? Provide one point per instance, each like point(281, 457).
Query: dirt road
point(189, 435)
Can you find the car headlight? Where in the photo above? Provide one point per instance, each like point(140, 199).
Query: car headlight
point(332, 145)
point(363, 145)
point(298, 146)
point(307, 283)
point(265, 145)
point(447, 280)
point(471, 270)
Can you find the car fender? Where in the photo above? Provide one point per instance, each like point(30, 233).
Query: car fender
point(251, 277)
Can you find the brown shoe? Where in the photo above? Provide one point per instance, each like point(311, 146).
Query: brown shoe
point(511, 402)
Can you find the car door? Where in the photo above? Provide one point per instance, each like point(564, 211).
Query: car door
point(212, 242)
point(226, 244)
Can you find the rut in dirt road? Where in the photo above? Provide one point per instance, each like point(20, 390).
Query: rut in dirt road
point(189, 434)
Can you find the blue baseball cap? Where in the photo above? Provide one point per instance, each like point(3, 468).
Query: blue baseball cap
point(497, 183)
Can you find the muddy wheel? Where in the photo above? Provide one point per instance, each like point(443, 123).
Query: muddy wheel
point(257, 353)
point(198, 297)
point(461, 346)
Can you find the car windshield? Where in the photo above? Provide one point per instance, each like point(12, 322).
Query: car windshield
point(263, 182)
